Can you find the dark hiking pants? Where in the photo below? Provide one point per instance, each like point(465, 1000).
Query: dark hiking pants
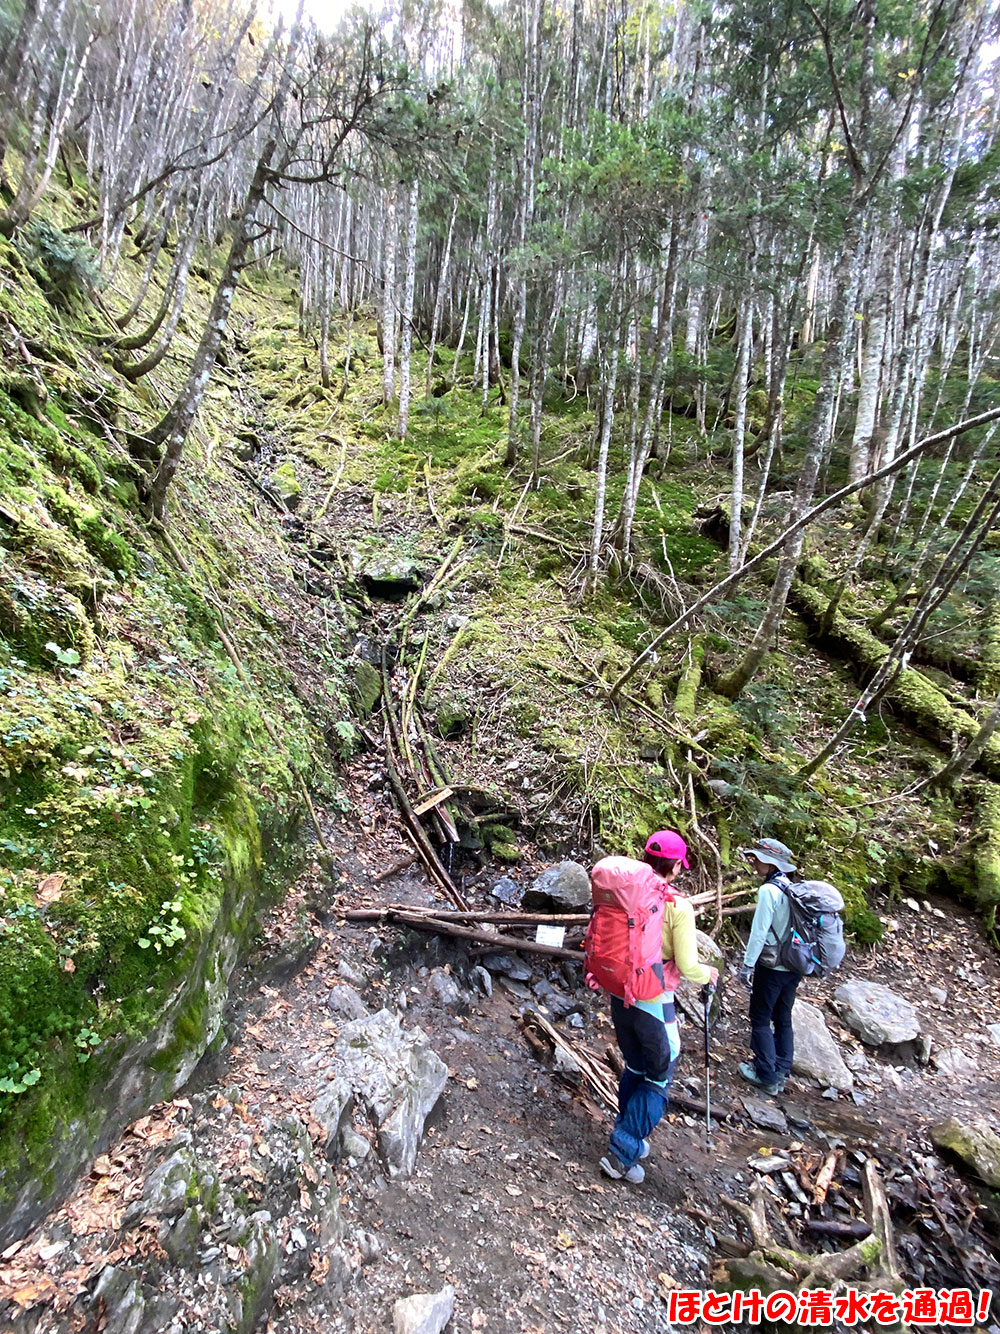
point(650, 1044)
point(771, 1039)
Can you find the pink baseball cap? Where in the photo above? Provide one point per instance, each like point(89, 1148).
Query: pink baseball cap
point(669, 844)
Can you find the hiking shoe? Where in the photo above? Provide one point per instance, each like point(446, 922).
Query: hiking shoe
point(613, 1167)
point(644, 1150)
point(747, 1071)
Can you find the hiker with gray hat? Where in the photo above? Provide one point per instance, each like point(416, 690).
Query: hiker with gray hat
point(772, 986)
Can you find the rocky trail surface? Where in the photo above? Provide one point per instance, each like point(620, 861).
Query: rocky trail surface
point(376, 1126)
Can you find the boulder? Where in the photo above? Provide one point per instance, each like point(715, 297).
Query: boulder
point(424, 1312)
point(975, 1144)
point(397, 1077)
point(390, 576)
point(562, 888)
point(879, 1016)
point(816, 1052)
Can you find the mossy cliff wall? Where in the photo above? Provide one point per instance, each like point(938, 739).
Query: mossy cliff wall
point(144, 809)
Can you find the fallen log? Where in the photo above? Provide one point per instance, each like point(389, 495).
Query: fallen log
point(470, 915)
point(437, 926)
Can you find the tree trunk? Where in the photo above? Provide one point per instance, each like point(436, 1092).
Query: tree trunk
point(172, 430)
point(389, 300)
point(846, 285)
point(745, 336)
point(406, 335)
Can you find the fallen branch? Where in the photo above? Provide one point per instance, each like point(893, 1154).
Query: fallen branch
point(824, 1177)
point(440, 927)
point(471, 915)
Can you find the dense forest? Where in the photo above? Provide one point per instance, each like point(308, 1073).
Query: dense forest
point(584, 416)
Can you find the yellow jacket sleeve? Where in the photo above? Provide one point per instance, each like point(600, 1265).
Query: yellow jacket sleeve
point(680, 942)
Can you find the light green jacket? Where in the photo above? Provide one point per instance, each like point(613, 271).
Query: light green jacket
point(680, 942)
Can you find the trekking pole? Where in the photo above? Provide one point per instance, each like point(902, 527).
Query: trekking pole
point(707, 992)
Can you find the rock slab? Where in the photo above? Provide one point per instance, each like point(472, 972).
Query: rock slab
point(424, 1312)
point(879, 1016)
point(816, 1052)
point(974, 1143)
point(563, 888)
point(397, 1077)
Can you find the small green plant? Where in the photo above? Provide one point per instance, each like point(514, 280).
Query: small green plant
point(164, 933)
point(17, 1080)
point(344, 738)
point(66, 657)
point(86, 1040)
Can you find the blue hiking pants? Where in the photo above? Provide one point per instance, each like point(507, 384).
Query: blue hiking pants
point(650, 1043)
point(771, 1037)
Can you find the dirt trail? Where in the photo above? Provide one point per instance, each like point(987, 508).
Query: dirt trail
point(506, 1202)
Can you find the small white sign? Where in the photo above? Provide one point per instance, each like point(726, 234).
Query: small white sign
point(550, 935)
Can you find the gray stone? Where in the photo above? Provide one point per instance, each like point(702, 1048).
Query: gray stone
point(346, 1002)
point(765, 1115)
point(443, 988)
point(563, 888)
point(179, 1181)
point(507, 892)
point(508, 965)
point(953, 1061)
point(424, 1312)
point(482, 979)
point(994, 1032)
point(332, 1109)
point(397, 1077)
point(768, 1163)
point(349, 974)
point(975, 1144)
point(879, 1016)
point(390, 575)
point(856, 1061)
point(515, 988)
point(816, 1052)
point(180, 1238)
point(354, 1146)
point(939, 994)
point(123, 1300)
point(567, 1065)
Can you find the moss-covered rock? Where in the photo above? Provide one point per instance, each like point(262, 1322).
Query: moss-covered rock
point(366, 687)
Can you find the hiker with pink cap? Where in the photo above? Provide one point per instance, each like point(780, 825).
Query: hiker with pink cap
point(640, 942)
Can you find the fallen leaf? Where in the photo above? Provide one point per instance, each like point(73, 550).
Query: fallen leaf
point(472, 1083)
point(33, 1293)
point(49, 889)
point(69, 966)
point(564, 1241)
point(102, 1166)
point(514, 1190)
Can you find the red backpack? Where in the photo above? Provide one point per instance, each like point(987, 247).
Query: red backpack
point(624, 941)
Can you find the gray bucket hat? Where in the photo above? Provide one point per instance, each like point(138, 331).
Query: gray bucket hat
point(773, 853)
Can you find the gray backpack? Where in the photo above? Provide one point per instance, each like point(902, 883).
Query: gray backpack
point(815, 944)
